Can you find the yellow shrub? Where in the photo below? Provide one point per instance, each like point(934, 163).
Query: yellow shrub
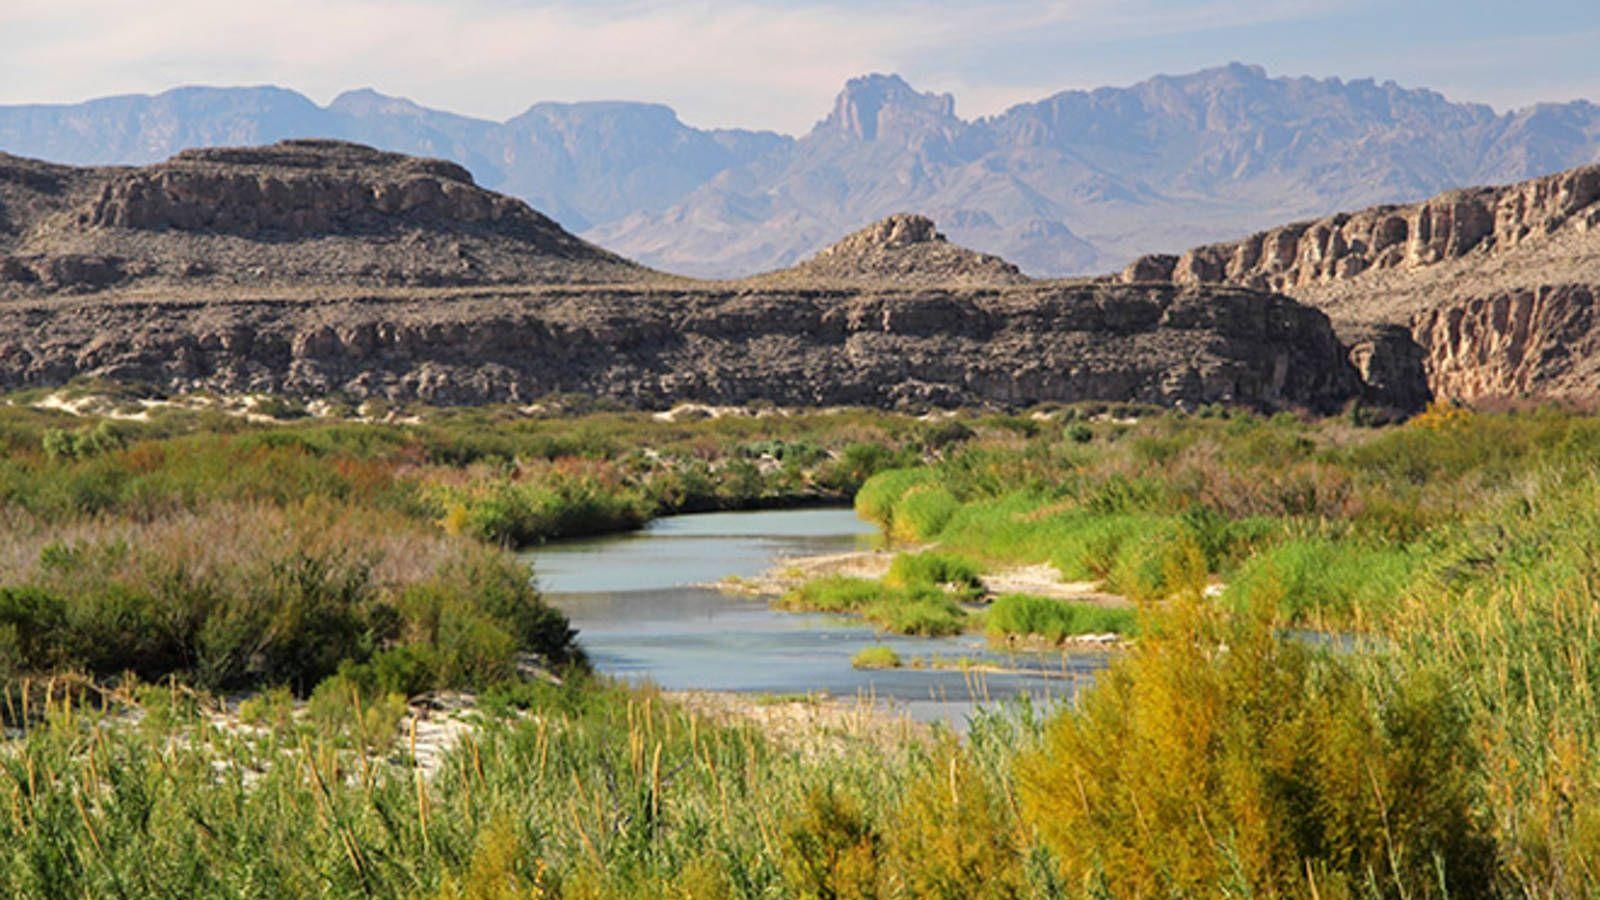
point(953, 835)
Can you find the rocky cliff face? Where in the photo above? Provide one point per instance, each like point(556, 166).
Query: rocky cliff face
point(1012, 347)
point(1495, 285)
point(1523, 342)
point(1484, 221)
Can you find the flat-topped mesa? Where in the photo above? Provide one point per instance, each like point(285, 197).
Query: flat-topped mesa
point(307, 187)
point(900, 250)
point(307, 211)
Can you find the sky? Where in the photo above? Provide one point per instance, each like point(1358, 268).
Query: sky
point(778, 63)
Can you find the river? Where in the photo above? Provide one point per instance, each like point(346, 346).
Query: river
point(644, 609)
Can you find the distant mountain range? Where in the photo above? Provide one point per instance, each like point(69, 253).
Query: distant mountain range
point(1082, 181)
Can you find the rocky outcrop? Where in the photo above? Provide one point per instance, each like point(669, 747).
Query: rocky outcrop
point(901, 249)
point(991, 348)
point(1484, 221)
point(1391, 364)
point(1495, 286)
point(305, 188)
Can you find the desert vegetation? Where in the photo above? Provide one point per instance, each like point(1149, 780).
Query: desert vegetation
point(1362, 660)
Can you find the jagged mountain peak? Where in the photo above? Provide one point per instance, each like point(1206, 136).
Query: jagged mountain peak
point(872, 104)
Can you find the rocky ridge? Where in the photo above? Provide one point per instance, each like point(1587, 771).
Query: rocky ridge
point(494, 302)
point(653, 349)
point(1496, 286)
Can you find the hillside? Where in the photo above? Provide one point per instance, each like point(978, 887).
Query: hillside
point(300, 213)
point(1078, 182)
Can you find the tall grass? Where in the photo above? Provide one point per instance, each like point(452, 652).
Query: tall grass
point(573, 791)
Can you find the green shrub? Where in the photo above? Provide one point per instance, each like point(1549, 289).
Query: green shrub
point(933, 569)
point(32, 630)
point(832, 594)
point(81, 443)
point(272, 709)
point(1051, 619)
point(920, 609)
point(923, 512)
point(945, 434)
point(954, 833)
point(924, 611)
point(524, 513)
point(831, 850)
point(878, 497)
point(340, 709)
point(858, 462)
point(1158, 564)
point(1322, 579)
point(878, 656)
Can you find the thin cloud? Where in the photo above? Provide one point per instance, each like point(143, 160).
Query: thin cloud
point(753, 63)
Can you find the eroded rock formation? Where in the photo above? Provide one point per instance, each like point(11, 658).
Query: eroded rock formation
point(1495, 285)
point(901, 249)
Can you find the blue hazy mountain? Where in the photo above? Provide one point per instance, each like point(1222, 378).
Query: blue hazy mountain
point(1080, 181)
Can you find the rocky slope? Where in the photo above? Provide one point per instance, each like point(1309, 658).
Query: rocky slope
point(299, 213)
point(1080, 181)
point(1496, 286)
point(315, 267)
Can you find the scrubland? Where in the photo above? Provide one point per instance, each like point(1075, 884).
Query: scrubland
point(1363, 661)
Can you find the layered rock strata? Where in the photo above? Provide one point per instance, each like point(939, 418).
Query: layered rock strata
point(1496, 286)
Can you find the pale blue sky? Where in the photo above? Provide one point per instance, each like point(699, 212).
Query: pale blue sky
point(777, 63)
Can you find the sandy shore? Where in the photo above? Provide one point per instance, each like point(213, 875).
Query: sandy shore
point(1040, 580)
point(812, 724)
